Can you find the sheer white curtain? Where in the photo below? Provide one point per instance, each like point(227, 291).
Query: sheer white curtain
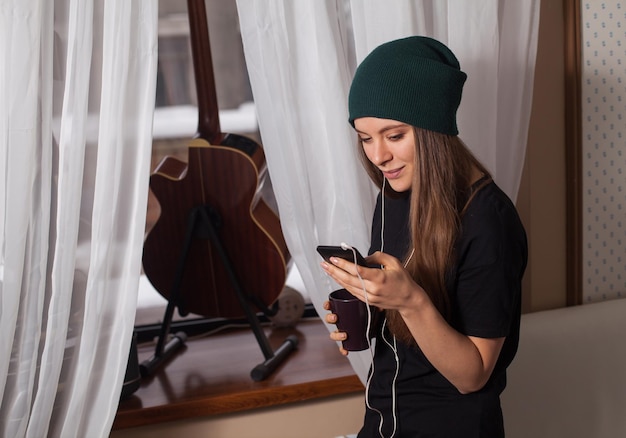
point(77, 85)
point(301, 56)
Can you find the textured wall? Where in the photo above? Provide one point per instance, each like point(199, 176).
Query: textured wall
point(604, 143)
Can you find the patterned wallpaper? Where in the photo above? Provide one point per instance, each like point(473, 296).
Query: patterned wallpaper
point(604, 149)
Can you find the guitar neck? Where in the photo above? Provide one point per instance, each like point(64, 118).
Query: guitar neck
point(208, 111)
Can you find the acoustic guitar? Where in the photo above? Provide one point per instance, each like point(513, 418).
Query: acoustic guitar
point(223, 178)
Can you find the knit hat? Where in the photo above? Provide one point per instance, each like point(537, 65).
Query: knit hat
point(415, 80)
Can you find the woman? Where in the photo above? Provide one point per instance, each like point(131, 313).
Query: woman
point(451, 247)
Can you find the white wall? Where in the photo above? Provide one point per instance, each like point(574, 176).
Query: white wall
point(327, 418)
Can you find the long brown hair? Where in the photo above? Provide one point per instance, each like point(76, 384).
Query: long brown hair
point(441, 190)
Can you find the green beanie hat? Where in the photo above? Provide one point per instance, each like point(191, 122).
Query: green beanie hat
point(415, 80)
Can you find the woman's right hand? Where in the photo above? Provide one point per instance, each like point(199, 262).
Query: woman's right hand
point(338, 336)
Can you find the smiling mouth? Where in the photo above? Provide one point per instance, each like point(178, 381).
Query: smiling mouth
point(393, 174)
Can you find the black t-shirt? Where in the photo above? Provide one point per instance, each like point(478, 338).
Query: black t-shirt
point(485, 295)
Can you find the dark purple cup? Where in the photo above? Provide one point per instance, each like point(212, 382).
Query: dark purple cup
point(352, 319)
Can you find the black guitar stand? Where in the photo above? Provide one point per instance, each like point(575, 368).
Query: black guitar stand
point(202, 222)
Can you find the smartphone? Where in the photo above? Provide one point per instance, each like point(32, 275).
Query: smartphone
point(328, 251)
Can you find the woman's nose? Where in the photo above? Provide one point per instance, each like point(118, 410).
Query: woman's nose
point(379, 153)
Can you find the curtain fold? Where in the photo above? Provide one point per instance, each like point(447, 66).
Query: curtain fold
point(77, 87)
point(301, 57)
point(297, 57)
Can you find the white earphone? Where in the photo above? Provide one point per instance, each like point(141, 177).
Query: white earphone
point(393, 346)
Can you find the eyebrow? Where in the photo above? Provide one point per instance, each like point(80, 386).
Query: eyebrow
point(385, 128)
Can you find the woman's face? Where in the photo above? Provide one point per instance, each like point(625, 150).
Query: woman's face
point(390, 146)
